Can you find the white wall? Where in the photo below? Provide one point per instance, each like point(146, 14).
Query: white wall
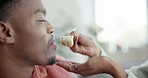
point(80, 11)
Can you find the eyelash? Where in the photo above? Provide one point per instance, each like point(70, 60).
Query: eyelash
point(42, 21)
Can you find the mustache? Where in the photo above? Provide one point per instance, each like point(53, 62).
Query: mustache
point(51, 38)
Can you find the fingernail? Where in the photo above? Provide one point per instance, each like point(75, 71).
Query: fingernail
point(73, 67)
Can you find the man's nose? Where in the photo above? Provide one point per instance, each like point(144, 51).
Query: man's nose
point(50, 28)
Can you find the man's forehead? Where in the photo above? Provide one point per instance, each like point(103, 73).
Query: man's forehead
point(33, 7)
point(40, 11)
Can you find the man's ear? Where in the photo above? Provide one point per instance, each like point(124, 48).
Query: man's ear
point(6, 33)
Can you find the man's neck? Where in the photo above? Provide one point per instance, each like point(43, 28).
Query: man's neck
point(12, 69)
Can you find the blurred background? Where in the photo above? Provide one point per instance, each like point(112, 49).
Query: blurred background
point(119, 26)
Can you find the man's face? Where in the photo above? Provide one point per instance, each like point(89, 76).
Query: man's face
point(34, 41)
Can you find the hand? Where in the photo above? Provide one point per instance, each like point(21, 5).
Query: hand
point(95, 65)
point(85, 45)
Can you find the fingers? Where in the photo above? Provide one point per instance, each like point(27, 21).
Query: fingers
point(80, 39)
point(69, 66)
point(84, 45)
point(83, 69)
point(75, 47)
point(65, 64)
point(73, 66)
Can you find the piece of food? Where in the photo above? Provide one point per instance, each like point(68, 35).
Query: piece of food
point(67, 40)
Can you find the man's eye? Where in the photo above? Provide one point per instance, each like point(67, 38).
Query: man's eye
point(41, 20)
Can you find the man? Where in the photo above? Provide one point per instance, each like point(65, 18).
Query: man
point(26, 40)
point(100, 63)
point(27, 45)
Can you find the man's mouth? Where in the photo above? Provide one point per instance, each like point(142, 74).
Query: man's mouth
point(51, 43)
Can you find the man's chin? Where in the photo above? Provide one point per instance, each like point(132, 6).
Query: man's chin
point(52, 61)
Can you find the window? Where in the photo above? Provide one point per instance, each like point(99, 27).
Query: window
point(124, 22)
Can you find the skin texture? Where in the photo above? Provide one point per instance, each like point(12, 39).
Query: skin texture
point(84, 45)
point(26, 40)
point(96, 64)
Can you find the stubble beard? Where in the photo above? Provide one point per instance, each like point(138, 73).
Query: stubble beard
point(52, 60)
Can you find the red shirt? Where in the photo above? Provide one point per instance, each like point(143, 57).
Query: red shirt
point(51, 71)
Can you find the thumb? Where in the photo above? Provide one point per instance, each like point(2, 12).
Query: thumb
point(75, 47)
point(64, 64)
point(80, 67)
point(71, 66)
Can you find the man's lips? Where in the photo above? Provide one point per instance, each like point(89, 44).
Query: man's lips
point(51, 43)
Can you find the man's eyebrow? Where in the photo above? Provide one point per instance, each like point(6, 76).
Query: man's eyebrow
point(41, 11)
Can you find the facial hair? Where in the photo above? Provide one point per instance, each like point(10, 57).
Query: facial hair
point(52, 61)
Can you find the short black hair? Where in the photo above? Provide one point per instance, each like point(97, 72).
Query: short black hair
point(7, 7)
